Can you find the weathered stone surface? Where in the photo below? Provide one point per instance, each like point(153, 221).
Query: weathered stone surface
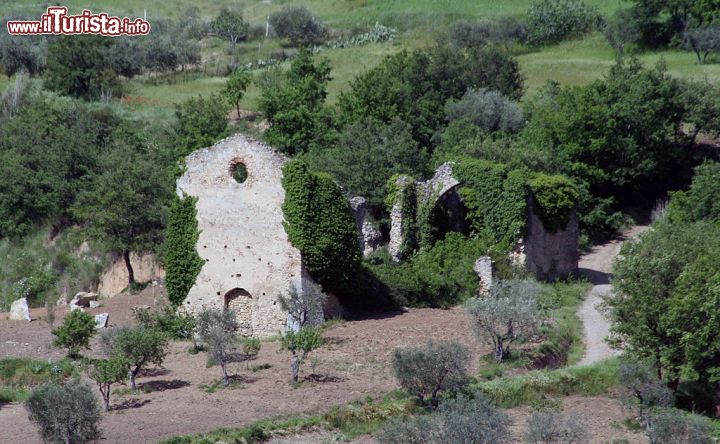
point(101, 320)
point(484, 268)
point(82, 300)
point(397, 221)
point(249, 261)
point(115, 278)
point(20, 311)
point(551, 256)
point(369, 237)
point(94, 304)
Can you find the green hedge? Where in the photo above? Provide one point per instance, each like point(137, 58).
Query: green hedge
point(320, 223)
point(182, 262)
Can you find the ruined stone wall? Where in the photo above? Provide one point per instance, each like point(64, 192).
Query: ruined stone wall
point(248, 258)
point(369, 237)
point(550, 256)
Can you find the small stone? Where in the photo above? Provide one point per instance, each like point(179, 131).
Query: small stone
point(20, 311)
point(101, 320)
point(94, 304)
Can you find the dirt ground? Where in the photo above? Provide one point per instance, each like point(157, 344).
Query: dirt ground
point(354, 363)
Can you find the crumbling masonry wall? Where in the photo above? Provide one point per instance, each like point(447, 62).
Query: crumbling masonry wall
point(249, 261)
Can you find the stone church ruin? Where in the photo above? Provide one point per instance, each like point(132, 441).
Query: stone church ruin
point(249, 261)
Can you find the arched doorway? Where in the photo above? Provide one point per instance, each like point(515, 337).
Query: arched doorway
point(240, 301)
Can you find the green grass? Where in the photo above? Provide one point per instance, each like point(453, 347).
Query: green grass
point(19, 375)
point(533, 387)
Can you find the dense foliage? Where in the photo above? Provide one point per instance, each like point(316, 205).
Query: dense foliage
point(554, 200)
point(550, 21)
point(75, 333)
point(182, 262)
point(297, 24)
point(320, 224)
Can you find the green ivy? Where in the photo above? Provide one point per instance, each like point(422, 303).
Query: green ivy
point(495, 196)
point(319, 223)
point(554, 200)
point(182, 262)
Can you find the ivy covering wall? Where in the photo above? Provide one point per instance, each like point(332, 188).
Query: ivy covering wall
point(182, 262)
point(319, 223)
point(554, 199)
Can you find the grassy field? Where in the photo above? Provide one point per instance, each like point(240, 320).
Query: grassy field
point(419, 22)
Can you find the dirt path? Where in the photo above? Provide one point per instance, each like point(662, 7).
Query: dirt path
point(597, 267)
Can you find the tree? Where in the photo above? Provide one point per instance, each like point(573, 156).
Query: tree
point(139, 346)
point(65, 413)
point(428, 370)
point(550, 21)
point(294, 104)
point(21, 53)
point(230, 26)
point(644, 389)
point(250, 348)
point(489, 110)
point(182, 262)
point(77, 66)
point(75, 332)
point(621, 29)
point(555, 428)
point(704, 40)
point(218, 330)
point(124, 208)
point(297, 24)
point(506, 315)
point(105, 373)
point(702, 104)
point(200, 123)
point(304, 307)
point(383, 150)
point(235, 87)
point(414, 86)
point(300, 343)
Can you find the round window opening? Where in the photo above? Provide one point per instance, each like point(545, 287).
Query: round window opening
point(239, 172)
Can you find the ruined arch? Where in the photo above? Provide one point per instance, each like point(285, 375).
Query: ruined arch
point(240, 301)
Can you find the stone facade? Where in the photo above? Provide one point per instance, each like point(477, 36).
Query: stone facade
point(249, 261)
point(484, 268)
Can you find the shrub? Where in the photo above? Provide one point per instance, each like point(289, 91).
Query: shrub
point(489, 110)
point(555, 428)
point(428, 370)
point(297, 24)
point(551, 21)
point(200, 123)
point(304, 306)
point(218, 328)
point(65, 413)
point(555, 198)
point(182, 262)
point(469, 34)
point(508, 314)
point(300, 343)
point(643, 388)
point(140, 346)
point(670, 426)
point(105, 373)
point(75, 332)
point(250, 349)
point(465, 419)
point(167, 319)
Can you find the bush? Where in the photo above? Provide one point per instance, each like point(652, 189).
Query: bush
point(105, 373)
point(555, 428)
point(551, 21)
point(458, 420)
point(297, 24)
point(489, 110)
point(65, 413)
point(218, 328)
point(467, 34)
point(555, 198)
point(670, 426)
point(75, 332)
point(508, 314)
point(200, 123)
point(168, 320)
point(428, 370)
point(643, 388)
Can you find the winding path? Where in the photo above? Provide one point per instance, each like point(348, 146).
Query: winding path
point(597, 267)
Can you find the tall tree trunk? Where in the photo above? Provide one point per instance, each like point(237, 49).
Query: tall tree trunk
point(295, 368)
point(132, 375)
point(106, 400)
point(131, 273)
point(226, 381)
point(499, 350)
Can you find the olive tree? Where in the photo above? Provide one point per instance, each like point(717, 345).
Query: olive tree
point(304, 307)
point(75, 333)
point(427, 370)
point(297, 24)
point(300, 343)
point(704, 41)
point(140, 346)
point(489, 110)
point(555, 428)
point(509, 313)
point(65, 413)
point(217, 328)
point(105, 373)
